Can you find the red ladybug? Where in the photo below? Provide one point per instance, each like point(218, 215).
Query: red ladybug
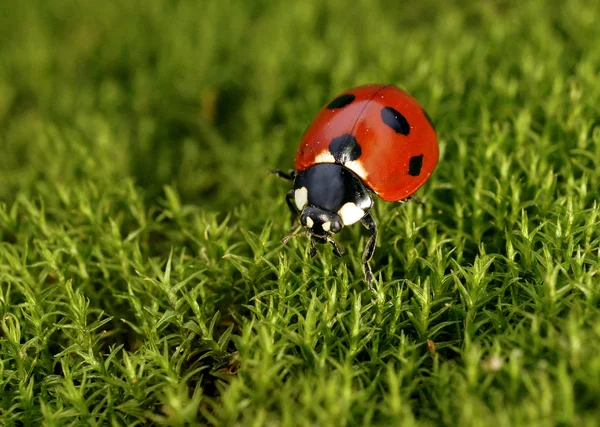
point(369, 139)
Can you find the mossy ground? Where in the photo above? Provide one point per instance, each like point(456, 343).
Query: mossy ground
point(142, 279)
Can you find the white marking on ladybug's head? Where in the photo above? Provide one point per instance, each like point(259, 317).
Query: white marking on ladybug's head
point(301, 197)
point(309, 222)
point(350, 213)
point(326, 226)
point(358, 168)
point(325, 157)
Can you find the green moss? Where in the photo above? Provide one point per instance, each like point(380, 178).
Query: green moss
point(142, 279)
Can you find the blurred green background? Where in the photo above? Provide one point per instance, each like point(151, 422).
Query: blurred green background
point(208, 95)
point(141, 278)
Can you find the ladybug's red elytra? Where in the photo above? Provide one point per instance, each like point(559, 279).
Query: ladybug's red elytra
point(369, 139)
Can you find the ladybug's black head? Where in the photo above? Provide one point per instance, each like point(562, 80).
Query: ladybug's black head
point(328, 197)
point(320, 222)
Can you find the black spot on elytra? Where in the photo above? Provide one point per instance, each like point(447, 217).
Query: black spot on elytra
point(341, 101)
point(414, 165)
point(345, 148)
point(428, 117)
point(395, 120)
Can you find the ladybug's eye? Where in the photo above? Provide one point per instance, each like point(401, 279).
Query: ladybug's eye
point(335, 227)
point(330, 226)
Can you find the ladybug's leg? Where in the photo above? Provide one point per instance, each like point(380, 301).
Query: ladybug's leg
point(413, 199)
point(289, 199)
point(289, 175)
point(370, 225)
point(313, 249)
point(338, 250)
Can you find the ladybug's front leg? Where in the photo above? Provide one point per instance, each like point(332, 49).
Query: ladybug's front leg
point(289, 199)
point(313, 248)
point(370, 225)
point(338, 250)
point(290, 175)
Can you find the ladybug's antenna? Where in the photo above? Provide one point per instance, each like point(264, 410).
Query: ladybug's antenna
point(338, 250)
point(291, 235)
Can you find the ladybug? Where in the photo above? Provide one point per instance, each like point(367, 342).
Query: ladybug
point(371, 139)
